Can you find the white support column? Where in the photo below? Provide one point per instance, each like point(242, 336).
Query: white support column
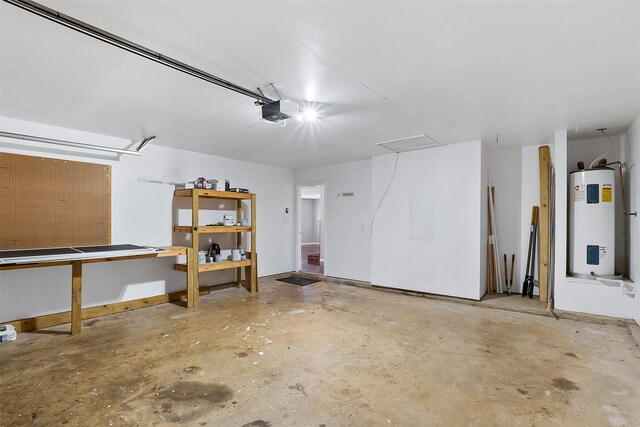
point(561, 173)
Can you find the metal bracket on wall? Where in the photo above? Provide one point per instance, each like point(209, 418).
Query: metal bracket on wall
point(136, 152)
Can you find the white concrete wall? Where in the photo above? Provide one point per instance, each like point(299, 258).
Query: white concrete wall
point(633, 195)
point(317, 220)
point(560, 295)
point(505, 174)
point(346, 222)
point(144, 213)
point(310, 220)
point(484, 216)
point(450, 263)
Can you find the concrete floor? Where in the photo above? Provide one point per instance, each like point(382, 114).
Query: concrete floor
point(323, 354)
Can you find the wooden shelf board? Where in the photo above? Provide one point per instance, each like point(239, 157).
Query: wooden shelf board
point(213, 266)
point(212, 194)
point(212, 229)
point(173, 251)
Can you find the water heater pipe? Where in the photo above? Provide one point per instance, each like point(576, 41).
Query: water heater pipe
point(606, 152)
point(624, 209)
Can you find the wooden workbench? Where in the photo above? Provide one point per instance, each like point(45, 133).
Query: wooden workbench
point(76, 315)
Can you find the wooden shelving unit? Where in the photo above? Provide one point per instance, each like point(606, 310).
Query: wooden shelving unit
point(250, 264)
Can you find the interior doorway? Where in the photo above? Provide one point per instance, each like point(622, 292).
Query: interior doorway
point(311, 229)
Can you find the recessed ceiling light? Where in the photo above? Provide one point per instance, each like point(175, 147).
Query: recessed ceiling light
point(310, 115)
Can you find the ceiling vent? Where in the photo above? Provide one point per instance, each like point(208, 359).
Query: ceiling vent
point(410, 143)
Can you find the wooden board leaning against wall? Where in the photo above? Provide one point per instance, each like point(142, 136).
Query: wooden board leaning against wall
point(544, 154)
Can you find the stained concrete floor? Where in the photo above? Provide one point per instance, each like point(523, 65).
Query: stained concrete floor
point(323, 354)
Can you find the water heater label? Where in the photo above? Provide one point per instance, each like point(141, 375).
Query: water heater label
point(607, 193)
point(578, 193)
point(603, 252)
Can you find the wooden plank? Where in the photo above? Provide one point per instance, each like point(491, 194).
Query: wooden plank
point(211, 229)
point(247, 278)
point(170, 251)
point(76, 297)
point(488, 278)
point(192, 291)
point(223, 194)
point(40, 322)
point(238, 241)
point(213, 266)
point(212, 194)
point(173, 251)
point(224, 265)
point(544, 154)
point(251, 274)
point(131, 257)
point(109, 192)
point(496, 256)
point(254, 254)
point(195, 239)
point(254, 274)
point(46, 321)
point(491, 284)
point(489, 269)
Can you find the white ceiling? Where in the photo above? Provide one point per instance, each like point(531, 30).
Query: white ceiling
point(375, 71)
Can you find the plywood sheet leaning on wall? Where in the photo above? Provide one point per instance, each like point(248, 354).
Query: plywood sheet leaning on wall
point(48, 202)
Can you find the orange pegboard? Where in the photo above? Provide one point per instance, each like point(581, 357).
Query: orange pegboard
point(48, 203)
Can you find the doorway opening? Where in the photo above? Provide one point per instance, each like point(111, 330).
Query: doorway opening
point(311, 229)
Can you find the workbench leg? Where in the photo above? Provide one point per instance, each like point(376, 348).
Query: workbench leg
point(192, 294)
point(76, 297)
point(247, 278)
point(239, 277)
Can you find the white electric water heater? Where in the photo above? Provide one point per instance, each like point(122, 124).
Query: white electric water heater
point(592, 222)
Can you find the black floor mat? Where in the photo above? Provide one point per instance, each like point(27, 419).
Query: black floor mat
point(300, 281)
